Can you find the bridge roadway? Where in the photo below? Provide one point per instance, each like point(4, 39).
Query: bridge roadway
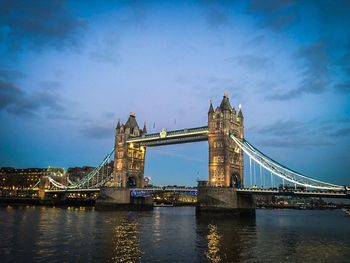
point(154, 189)
point(171, 137)
point(247, 191)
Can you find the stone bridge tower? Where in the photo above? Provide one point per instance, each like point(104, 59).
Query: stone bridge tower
point(225, 158)
point(129, 159)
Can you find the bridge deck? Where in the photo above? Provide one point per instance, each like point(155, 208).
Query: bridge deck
point(172, 137)
point(247, 191)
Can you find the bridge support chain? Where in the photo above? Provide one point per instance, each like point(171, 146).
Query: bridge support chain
point(118, 198)
point(224, 199)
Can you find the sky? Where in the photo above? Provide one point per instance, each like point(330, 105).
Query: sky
point(70, 69)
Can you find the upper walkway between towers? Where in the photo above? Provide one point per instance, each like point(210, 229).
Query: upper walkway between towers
point(171, 137)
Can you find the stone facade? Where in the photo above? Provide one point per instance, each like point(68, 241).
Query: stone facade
point(225, 157)
point(129, 159)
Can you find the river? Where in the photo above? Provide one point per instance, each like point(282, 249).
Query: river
point(171, 234)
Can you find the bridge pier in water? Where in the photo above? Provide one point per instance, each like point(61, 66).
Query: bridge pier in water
point(223, 199)
point(120, 198)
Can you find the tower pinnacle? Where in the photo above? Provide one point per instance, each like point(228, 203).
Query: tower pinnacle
point(211, 109)
point(225, 103)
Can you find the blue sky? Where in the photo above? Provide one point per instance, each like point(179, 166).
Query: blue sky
point(70, 69)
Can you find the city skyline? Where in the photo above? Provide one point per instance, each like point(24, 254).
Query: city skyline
point(71, 70)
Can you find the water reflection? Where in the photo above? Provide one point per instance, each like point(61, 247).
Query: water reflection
point(126, 241)
point(225, 238)
point(213, 244)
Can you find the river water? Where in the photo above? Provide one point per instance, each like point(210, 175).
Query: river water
point(175, 234)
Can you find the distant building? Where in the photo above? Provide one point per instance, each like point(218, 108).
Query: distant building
point(24, 182)
point(76, 173)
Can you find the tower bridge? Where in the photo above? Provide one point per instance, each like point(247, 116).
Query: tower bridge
point(227, 186)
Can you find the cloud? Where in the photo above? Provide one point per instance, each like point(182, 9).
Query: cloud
point(216, 17)
point(9, 92)
point(344, 62)
point(292, 134)
point(343, 88)
point(275, 14)
point(282, 128)
point(105, 56)
point(268, 7)
point(17, 102)
point(343, 132)
point(34, 25)
point(293, 143)
point(98, 131)
point(252, 61)
point(315, 77)
point(217, 13)
point(316, 72)
point(40, 101)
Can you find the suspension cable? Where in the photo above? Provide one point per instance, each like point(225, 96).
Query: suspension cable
point(282, 171)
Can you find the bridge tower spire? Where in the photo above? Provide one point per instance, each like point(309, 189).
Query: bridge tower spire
point(225, 158)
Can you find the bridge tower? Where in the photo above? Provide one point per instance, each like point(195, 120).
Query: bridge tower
point(225, 158)
point(129, 159)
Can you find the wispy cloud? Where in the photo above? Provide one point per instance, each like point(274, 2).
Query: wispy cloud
point(343, 88)
point(98, 131)
point(274, 14)
point(44, 100)
point(39, 24)
point(315, 77)
point(342, 132)
point(282, 128)
point(294, 143)
point(292, 133)
point(252, 62)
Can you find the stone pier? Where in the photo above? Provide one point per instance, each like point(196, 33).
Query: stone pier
point(118, 198)
point(224, 199)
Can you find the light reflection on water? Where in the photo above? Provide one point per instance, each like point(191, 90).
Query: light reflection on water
point(42, 234)
point(213, 244)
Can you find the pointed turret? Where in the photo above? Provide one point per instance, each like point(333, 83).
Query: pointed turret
point(132, 123)
point(118, 125)
point(240, 113)
point(225, 103)
point(211, 108)
point(144, 130)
